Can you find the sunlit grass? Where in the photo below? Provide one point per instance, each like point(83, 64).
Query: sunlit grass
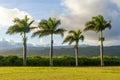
point(59, 73)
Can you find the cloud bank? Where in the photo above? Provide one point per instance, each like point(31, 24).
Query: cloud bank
point(78, 12)
point(7, 15)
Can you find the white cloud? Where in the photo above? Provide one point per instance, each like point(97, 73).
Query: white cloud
point(78, 12)
point(41, 41)
point(7, 15)
point(117, 2)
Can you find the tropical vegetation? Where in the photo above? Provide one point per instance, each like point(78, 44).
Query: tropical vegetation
point(98, 24)
point(21, 26)
point(49, 27)
point(59, 61)
point(74, 36)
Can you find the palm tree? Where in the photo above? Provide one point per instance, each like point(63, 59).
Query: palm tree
point(49, 27)
point(21, 26)
point(75, 36)
point(98, 24)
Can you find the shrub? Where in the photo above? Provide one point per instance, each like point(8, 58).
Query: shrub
point(1, 60)
point(59, 61)
point(12, 61)
point(37, 61)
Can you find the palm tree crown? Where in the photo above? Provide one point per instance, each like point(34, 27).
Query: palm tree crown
point(98, 23)
point(20, 26)
point(47, 27)
point(74, 36)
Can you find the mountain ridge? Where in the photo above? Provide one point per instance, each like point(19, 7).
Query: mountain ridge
point(13, 48)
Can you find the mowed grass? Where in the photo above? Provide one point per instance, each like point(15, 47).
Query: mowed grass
point(59, 73)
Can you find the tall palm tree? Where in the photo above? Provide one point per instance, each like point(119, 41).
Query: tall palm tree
point(49, 27)
point(98, 24)
point(21, 26)
point(75, 36)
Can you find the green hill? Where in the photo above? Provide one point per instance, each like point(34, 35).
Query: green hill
point(83, 51)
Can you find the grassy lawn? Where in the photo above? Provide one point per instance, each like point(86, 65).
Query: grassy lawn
point(59, 73)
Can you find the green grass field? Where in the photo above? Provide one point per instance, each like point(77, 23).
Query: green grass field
point(59, 73)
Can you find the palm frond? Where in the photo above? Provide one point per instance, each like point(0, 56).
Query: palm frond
point(50, 23)
point(49, 26)
point(13, 30)
point(97, 24)
point(16, 20)
point(35, 33)
point(32, 28)
point(74, 36)
point(43, 24)
point(41, 33)
point(69, 38)
point(81, 38)
point(26, 19)
point(108, 25)
point(56, 24)
point(71, 41)
point(29, 24)
point(20, 26)
point(72, 32)
point(89, 26)
point(60, 31)
point(79, 32)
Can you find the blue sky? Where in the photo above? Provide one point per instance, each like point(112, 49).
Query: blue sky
point(38, 9)
point(72, 13)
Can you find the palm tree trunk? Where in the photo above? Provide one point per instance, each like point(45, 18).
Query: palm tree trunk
point(76, 55)
point(24, 50)
point(101, 49)
point(51, 51)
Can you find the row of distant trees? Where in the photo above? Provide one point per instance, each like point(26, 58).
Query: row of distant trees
point(50, 27)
